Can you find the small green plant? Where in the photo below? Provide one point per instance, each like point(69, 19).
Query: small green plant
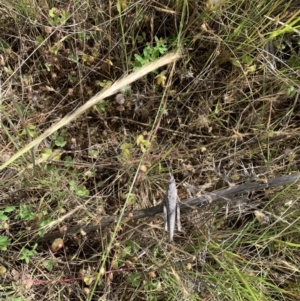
point(74, 57)
point(28, 213)
point(131, 199)
point(25, 213)
point(82, 36)
point(3, 216)
point(26, 254)
point(49, 154)
point(134, 279)
point(58, 17)
point(68, 161)
point(55, 48)
point(39, 39)
point(60, 139)
point(127, 250)
point(48, 66)
point(94, 153)
point(71, 78)
point(125, 150)
point(143, 143)
point(245, 62)
point(49, 264)
point(79, 190)
point(288, 88)
point(141, 38)
point(43, 221)
point(102, 106)
point(31, 130)
point(104, 84)
point(150, 53)
point(126, 90)
point(4, 242)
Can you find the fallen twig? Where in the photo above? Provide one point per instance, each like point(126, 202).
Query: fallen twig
point(185, 205)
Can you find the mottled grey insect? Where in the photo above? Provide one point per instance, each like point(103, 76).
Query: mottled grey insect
point(171, 208)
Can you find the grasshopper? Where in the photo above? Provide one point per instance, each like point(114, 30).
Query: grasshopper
point(171, 208)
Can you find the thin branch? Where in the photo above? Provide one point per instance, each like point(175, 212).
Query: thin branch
point(185, 205)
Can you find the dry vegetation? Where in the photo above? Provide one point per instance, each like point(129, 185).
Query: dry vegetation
point(223, 114)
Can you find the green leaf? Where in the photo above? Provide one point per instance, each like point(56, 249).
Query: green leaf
point(31, 131)
point(4, 242)
point(143, 149)
point(126, 89)
point(64, 17)
point(52, 12)
point(125, 147)
point(119, 8)
point(147, 53)
point(294, 61)
point(251, 69)
point(144, 144)
point(126, 153)
point(49, 264)
point(40, 39)
point(235, 62)
point(46, 154)
point(162, 49)
point(93, 153)
point(4, 46)
point(246, 59)
point(7, 70)
point(134, 279)
point(9, 208)
point(82, 191)
point(131, 198)
point(3, 217)
point(73, 57)
point(26, 254)
point(55, 48)
point(102, 106)
point(68, 161)
point(139, 59)
point(291, 91)
point(126, 251)
point(88, 280)
point(105, 83)
point(73, 185)
point(60, 141)
point(139, 39)
point(139, 139)
point(48, 66)
point(156, 251)
point(25, 213)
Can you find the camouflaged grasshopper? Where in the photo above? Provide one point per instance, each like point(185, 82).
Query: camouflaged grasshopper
point(171, 208)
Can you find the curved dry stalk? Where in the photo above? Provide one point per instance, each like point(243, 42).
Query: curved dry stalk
point(185, 205)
